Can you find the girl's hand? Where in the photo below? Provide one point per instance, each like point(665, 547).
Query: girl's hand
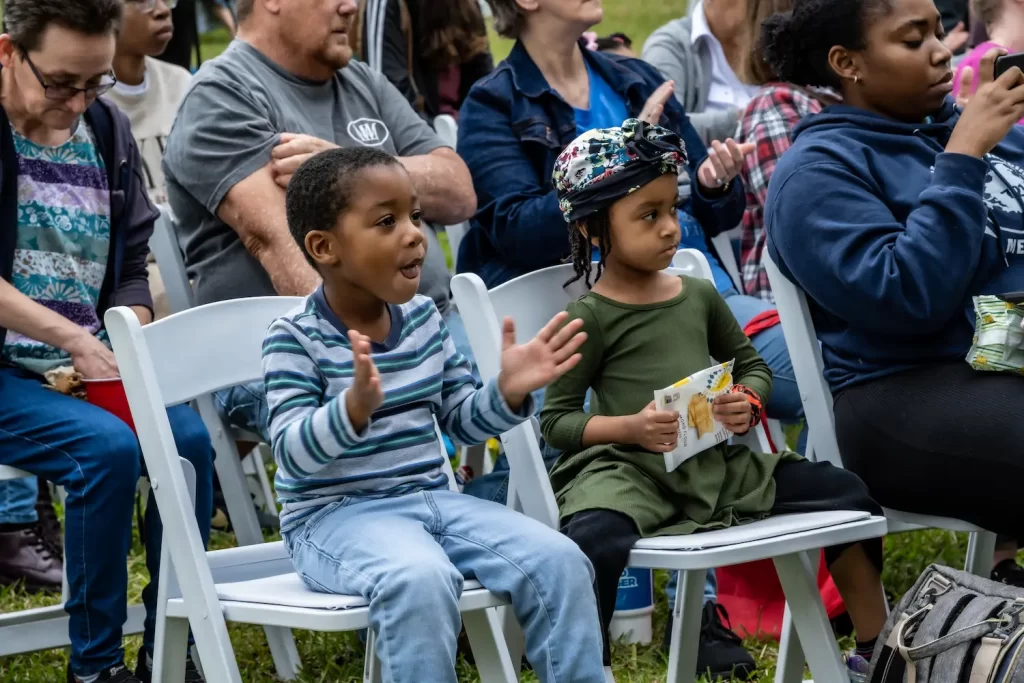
point(365, 395)
point(724, 162)
point(734, 411)
point(654, 430)
point(535, 364)
point(991, 112)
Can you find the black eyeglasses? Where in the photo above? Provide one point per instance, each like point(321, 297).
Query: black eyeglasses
point(147, 6)
point(63, 93)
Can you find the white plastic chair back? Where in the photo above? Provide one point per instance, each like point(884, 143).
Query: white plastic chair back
point(808, 366)
point(694, 263)
point(447, 129)
point(171, 263)
point(722, 242)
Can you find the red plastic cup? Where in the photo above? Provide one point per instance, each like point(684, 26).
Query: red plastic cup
point(109, 395)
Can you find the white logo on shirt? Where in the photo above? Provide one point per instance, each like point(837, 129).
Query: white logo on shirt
point(1004, 191)
point(369, 132)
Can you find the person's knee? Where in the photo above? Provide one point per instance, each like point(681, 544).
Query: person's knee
point(604, 536)
point(855, 493)
point(570, 562)
point(110, 456)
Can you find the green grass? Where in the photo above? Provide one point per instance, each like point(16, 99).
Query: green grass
point(338, 658)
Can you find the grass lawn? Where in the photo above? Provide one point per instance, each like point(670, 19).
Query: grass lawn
point(338, 658)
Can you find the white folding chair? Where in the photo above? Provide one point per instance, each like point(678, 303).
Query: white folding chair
point(722, 242)
point(791, 541)
point(808, 367)
point(181, 297)
point(184, 358)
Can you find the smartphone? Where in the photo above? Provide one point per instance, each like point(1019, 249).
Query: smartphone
point(1006, 62)
point(1015, 298)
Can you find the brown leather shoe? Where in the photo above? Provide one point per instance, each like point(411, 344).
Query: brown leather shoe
point(27, 557)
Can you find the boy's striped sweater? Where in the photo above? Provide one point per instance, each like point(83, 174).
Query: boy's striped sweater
point(307, 366)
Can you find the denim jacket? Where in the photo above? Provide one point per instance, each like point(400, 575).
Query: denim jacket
point(513, 126)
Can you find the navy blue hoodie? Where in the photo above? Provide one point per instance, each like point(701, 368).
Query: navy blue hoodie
point(890, 236)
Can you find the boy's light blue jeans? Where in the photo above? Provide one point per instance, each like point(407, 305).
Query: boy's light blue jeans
point(409, 555)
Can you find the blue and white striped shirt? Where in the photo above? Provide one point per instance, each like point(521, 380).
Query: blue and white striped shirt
point(307, 366)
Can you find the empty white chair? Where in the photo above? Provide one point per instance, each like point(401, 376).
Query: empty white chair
point(808, 367)
point(253, 584)
point(791, 540)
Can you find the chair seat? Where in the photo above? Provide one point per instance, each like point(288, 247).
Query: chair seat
point(778, 525)
point(772, 537)
point(290, 590)
point(7, 472)
point(284, 600)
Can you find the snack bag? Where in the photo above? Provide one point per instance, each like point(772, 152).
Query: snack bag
point(692, 397)
point(998, 336)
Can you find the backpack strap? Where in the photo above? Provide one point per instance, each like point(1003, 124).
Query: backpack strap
point(418, 105)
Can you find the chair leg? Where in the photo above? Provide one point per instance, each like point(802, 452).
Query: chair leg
point(246, 525)
point(798, 578)
point(487, 640)
point(169, 651)
point(515, 639)
point(980, 547)
point(260, 456)
point(371, 665)
point(685, 638)
point(790, 667)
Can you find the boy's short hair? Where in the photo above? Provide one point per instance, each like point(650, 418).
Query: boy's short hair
point(27, 20)
point(321, 189)
point(508, 18)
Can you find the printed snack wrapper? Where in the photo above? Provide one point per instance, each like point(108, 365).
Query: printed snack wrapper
point(998, 336)
point(692, 397)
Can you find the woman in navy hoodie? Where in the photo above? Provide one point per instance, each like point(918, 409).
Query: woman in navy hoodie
point(891, 211)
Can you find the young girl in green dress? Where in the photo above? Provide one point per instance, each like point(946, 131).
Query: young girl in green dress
point(646, 329)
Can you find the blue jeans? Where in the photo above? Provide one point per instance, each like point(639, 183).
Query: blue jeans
point(245, 406)
point(409, 555)
point(96, 458)
point(18, 501)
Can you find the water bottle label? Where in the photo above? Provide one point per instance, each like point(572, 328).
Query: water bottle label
point(635, 590)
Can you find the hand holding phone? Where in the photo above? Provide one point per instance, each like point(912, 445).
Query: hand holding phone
point(1006, 62)
point(992, 111)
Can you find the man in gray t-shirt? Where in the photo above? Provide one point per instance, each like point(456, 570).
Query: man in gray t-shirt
point(283, 91)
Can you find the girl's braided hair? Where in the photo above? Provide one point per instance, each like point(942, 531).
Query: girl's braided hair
point(595, 226)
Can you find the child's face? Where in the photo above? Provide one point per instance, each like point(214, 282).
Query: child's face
point(645, 226)
point(377, 244)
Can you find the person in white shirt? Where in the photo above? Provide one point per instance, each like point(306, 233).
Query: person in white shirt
point(701, 54)
point(149, 92)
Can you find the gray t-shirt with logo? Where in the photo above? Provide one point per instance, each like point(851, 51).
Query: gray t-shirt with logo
point(229, 121)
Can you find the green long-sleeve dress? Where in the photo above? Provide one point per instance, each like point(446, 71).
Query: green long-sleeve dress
point(632, 350)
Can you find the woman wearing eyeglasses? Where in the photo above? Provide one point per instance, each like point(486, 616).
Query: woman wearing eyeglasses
point(75, 222)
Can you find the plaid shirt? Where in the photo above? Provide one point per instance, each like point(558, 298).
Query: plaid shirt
point(768, 121)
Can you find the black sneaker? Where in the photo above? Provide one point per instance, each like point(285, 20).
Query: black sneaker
point(144, 673)
point(1009, 572)
point(720, 653)
point(119, 673)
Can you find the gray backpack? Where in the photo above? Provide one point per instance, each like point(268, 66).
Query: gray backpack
point(953, 627)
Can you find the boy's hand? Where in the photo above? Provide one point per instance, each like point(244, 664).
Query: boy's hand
point(365, 395)
point(535, 364)
point(654, 430)
point(734, 411)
